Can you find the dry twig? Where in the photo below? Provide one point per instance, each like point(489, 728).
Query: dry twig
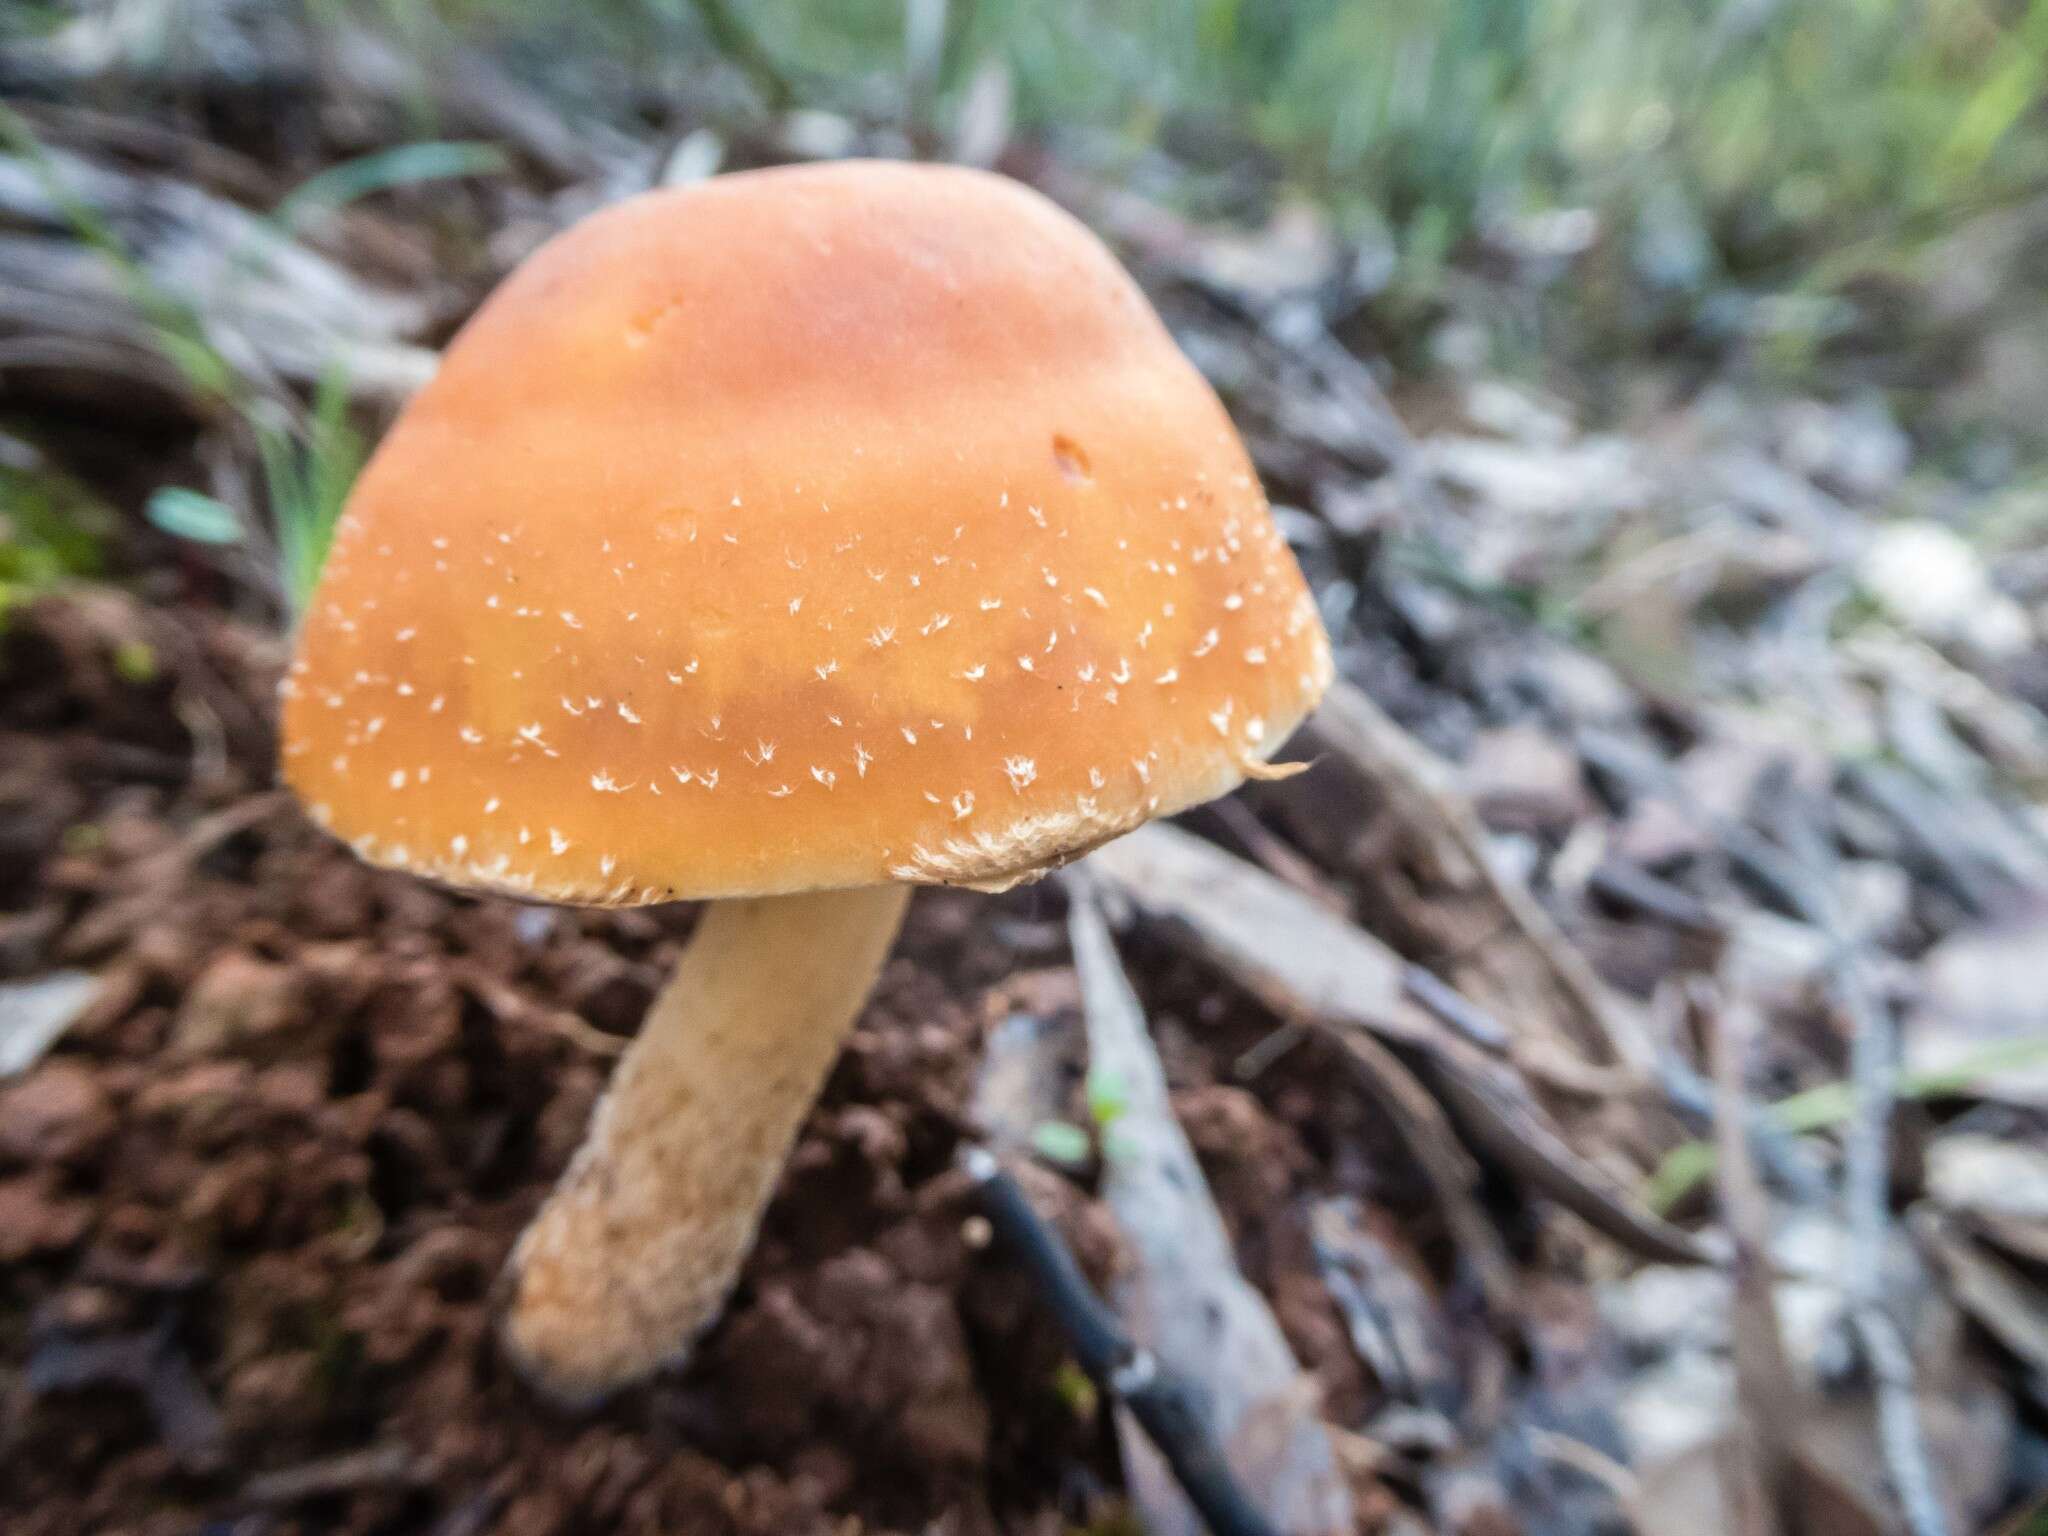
point(1867, 1188)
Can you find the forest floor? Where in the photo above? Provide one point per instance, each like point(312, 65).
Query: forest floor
point(1684, 788)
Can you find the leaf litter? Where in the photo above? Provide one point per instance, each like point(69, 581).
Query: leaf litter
point(1630, 711)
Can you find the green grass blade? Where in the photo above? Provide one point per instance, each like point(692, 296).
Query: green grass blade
point(1689, 1165)
point(405, 165)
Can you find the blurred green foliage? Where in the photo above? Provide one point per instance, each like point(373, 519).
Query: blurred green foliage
point(307, 475)
point(1734, 163)
point(309, 455)
point(1729, 138)
point(1738, 163)
point(309, 466)
point(1770, 129)
point(52, 529)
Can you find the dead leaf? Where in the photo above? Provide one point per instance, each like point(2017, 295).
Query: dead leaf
point(1929, 579)
point(2012, 1309)
point(1250, 925)
point(1689, 1494)
point(1982, 987)
point(1522, 778)
point(1999, 1187)
point(35, 1014)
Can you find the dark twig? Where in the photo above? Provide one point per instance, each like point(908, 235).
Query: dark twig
point(1161, 1404)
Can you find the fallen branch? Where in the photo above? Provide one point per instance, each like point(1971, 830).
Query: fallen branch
point(1156, 1398)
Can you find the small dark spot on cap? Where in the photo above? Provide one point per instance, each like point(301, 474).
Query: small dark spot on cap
point(1071, 458)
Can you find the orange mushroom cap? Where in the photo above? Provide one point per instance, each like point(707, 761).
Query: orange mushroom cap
point(805, 528)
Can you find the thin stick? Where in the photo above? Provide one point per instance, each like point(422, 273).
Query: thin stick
point(1450, 1006)
point(1157, 1399)
point(1867, 1182)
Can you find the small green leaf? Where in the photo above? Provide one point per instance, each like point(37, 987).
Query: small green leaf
point(1071, 1385)
point(1686, 1166)
point(84, 837)
point(135, 662)
point(1997, 106)
point(403, 166)
point(1061, 1142)
point(1108, 1097)
point(187, 514)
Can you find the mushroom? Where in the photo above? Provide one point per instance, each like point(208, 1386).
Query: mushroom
point(782, 543)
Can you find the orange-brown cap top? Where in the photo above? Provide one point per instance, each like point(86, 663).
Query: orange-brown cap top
point(805, 528)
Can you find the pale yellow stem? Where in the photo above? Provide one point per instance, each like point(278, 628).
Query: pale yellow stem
point(635, 1251)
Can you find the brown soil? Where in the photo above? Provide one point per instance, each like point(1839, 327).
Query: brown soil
point(254, 1204)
